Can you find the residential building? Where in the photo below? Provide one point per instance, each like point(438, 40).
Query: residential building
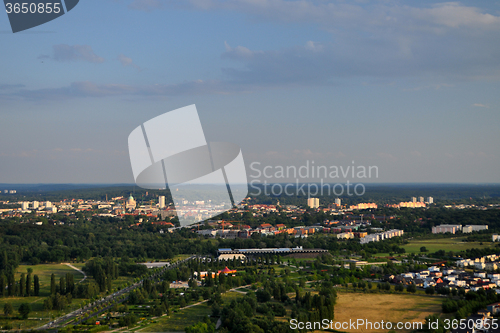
point(444, 228)
point(313, 202)
point(471, 228)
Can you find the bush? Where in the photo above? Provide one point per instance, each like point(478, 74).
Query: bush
point(24, 310)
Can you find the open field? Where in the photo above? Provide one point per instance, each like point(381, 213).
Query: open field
point(37, 315)
point(179, 320)
point(44, 272)
point(386, 307)
point(447, 244)
point(186, 317)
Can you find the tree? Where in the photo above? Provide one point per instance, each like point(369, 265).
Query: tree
point(36, 285)
point(3, 283)
point(411, 288)
point(5, 261)
point(263, 295)
point(10, 282)
point(22, 285)
point(423, 249)
point(8, 309)
point(53, 284)
point(62, 285)
point(24, 310)
point(28, 282)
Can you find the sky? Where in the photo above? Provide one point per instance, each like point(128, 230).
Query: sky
point(411, 87)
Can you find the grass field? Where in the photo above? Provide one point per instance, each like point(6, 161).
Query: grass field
point(179, 320)
point(186, 317)
point(447, 244)
point(387, 307)
point(44, 271)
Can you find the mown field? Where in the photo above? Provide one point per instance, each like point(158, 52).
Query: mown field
point(44, 272)
point(387, 307)
point(186, 317)
point(454, 244)
point(38, 315)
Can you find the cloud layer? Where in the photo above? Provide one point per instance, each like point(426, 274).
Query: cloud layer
point(443, 43)
point(65, 53)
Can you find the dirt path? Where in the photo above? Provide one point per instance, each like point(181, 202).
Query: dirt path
point(77, 269)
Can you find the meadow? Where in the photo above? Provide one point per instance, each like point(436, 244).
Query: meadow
point(387, 307)
point(179, 320)
point(454, 244)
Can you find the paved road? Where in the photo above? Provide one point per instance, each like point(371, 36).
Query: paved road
point(59, 322)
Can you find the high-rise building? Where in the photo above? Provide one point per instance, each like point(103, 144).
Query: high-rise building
point(313, 202)
point(161, 201)
point(25, 205)
point(413, 199)
point(35, 204)
point(430, 200)
point(420, 199)
point(48, 204)
point(338, 202)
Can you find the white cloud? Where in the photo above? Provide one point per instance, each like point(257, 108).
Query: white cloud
point(445, 42)
point(126, 61)
point(64, 52)
point(455, 15)
point(239, 52)
point(333, 14)
point(479, 105)
point(84, 89)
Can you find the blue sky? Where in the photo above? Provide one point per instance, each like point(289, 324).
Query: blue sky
point(408, 86)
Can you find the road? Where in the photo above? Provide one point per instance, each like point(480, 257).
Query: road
point(64, 320)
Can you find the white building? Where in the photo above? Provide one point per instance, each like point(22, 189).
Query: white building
point(338, 201)
point(471, 228)
point(35, 204)
point(420, 199)
point(444, 228)
point(430, 200)
point(345, 235)
point(313, 202)
point(25, 205)
point(413, 199)
point(161, 201)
